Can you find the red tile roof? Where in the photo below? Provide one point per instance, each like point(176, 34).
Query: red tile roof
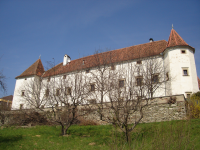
point(175, 40)
point(10, 98)
point(114, 56)
point(35, 69)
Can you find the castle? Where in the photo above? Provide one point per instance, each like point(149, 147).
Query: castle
point(176, 55)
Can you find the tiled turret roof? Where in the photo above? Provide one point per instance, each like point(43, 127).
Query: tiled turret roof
point(175, 40)
point(35, 69)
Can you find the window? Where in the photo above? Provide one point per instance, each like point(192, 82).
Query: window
point(112, 67)
point(183, 51)
point(23, 93)
point(57, 92)
point(92, 87)
point(47, 92)
point(139, 80)
point(155, 78)
point(64, 76)
point(185, 72)
point(48, 79)
point(87, 70)
point(121, 83)
point(25, 79)
point(139, 62)
point(68, 90)
point(21, 106)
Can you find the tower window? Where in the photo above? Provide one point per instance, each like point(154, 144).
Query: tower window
point(185, 72)
point(183, 51)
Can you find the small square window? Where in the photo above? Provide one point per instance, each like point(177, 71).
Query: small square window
point(185, 72)
point(139, 62)
point(87, 70)
point(64, 76)
point(121, 83)
point(139, 80)
point(92, 87)
point(183, 51)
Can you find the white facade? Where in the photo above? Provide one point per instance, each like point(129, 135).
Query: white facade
point(178, 65)
point(180, 59)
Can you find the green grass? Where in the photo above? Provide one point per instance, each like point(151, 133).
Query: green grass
point(163, 135)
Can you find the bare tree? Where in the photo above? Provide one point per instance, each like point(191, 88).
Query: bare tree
point(58, 97)
point(69, 92)
point(132, 89)
point(99, 78)
point(3, 87)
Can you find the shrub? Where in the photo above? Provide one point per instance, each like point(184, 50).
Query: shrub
point(194, 104)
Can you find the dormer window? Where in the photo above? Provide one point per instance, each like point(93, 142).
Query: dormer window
point(183, 51)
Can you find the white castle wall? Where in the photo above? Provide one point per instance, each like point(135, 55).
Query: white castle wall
point(176, 60)
point(172, 60)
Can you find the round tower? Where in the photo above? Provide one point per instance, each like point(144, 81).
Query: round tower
point(179, 59)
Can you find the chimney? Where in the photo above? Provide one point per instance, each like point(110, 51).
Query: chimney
point(151, 40)
point(66, 59)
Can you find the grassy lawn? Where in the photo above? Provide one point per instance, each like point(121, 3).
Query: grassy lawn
point(164, 135)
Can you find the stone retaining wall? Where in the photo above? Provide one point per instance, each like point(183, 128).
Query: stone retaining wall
point(158, 110)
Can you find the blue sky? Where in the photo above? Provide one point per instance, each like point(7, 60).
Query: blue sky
point(52, 29)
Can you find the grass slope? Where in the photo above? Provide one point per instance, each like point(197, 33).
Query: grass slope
point(163, 135)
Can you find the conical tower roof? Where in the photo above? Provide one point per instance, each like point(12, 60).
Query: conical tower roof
point(35, 69)
point(175, 40)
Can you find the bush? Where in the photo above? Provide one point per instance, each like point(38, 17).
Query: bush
point(194, 104)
